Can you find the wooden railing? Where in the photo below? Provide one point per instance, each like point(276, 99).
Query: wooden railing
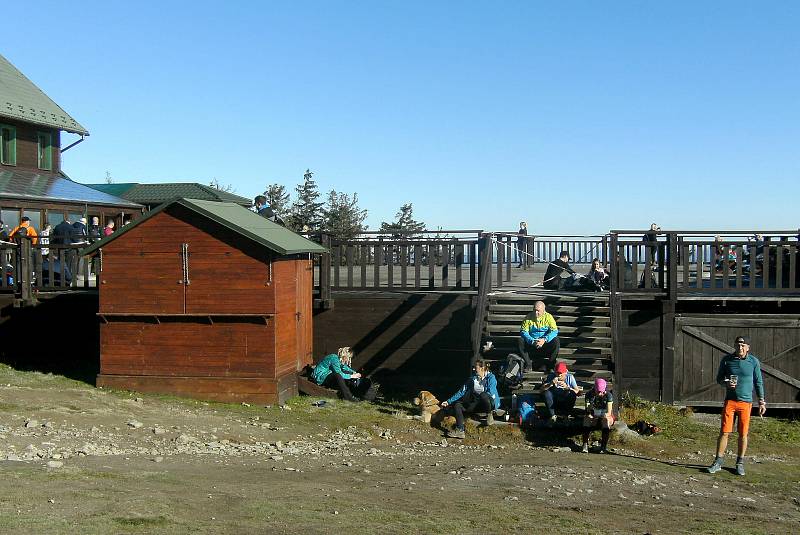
point(32, 268)
point(441, 260)
point(539, 250)
point(426, 261)
point(698, 262)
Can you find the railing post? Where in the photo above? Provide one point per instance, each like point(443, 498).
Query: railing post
point(672, 266)
point(24, 273)
point(614, 266)
point(604, 250)
point(325, 271)
point(484, 285)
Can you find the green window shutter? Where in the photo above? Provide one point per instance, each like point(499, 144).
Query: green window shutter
point(45, 150)
point(8, 145)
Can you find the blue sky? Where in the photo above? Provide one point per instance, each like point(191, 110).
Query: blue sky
point(578, 117)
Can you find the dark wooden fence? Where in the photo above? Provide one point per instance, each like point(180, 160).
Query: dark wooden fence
point(32, 268)
point(705, 262)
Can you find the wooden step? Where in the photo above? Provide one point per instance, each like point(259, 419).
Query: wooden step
point(516, 319)
point(567, 339)
point(548, 299)
point(555, 311)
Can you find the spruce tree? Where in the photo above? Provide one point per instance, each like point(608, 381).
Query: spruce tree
point(343, 219)
point(306, 212)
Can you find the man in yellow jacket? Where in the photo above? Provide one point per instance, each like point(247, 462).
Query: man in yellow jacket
point(539, 337)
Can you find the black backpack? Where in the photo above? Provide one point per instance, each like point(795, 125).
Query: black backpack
point(511, 375)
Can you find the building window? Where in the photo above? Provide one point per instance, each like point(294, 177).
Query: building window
point(8, 145)
point(45, 150)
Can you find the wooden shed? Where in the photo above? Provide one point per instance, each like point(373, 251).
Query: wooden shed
point(205, 299)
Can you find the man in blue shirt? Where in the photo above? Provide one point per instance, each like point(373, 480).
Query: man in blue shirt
point(738, 372)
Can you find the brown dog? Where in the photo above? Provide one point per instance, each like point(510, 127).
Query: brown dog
point(431, 412)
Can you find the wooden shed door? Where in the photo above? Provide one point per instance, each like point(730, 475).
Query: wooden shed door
point(143, 282)
point(700, 344)
point(304, 314)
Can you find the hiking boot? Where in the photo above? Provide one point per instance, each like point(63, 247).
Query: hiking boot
point(456, 433)
point(585, 448)
point(552, 421)
point(489, 419)
point(714, 468)
point(739, 469)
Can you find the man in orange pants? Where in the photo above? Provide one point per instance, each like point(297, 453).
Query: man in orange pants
point(738, 373)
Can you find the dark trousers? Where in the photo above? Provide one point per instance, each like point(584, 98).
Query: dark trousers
point(605, 434)
point(471, 403)
point(559, 399)
point(350, 388)
point(549, 351)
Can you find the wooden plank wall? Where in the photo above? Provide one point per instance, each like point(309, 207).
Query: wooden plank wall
point(409, 342)
point(142, 270)
point(188, 348)
point(637, 353)
point(775, 340)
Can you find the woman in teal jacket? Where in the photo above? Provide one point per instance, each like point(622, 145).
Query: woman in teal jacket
point(478, 394)
point(334, 371)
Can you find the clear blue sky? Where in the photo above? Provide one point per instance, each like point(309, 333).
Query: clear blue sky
point(578, 117)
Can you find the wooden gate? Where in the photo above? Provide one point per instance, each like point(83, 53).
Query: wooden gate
point(701, 342)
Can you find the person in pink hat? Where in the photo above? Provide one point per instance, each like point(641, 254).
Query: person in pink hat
point(599, 414)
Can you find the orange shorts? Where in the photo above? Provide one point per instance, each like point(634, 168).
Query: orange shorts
point(740, 408)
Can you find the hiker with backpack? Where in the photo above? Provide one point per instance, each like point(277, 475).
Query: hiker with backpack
point(599, 414)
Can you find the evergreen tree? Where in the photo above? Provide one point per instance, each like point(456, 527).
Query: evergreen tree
point(404, 221)
point(277, 198)
point(343, 217)
point(306, 211)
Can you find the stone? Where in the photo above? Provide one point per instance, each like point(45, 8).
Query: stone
point(54, 464)
point(31, 423)
point(135, 424)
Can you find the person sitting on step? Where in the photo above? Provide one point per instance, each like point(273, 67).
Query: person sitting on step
point(539, 337)
point(334, 371)
point(560, 391)
point(478, 394)
point(599, 414)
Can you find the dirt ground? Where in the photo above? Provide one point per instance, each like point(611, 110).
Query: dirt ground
point(76, 459)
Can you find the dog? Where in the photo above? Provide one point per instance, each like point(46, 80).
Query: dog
point(431, 412)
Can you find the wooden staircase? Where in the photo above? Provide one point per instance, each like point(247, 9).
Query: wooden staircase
point(584, 330)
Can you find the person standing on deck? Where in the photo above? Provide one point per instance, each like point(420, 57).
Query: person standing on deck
point(738, 372)
point(539, 337)
point(522, 238)
point(651, 239)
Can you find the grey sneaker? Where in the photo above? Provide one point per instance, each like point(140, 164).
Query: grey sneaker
point(456, 433)
point(714, 468)
point(739, 469)
point(585, 448)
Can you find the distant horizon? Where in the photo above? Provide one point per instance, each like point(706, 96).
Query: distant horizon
point(576, 118)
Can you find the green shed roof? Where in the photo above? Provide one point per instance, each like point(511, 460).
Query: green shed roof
point(152, 194)
point(21, 99)
point(236, 218)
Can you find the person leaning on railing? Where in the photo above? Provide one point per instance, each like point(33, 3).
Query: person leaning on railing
point(25, 229)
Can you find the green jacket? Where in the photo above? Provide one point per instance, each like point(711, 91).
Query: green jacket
point(328, 365)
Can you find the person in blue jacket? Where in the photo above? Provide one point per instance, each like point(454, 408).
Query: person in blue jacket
point(334, 371)
point(478, 394)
